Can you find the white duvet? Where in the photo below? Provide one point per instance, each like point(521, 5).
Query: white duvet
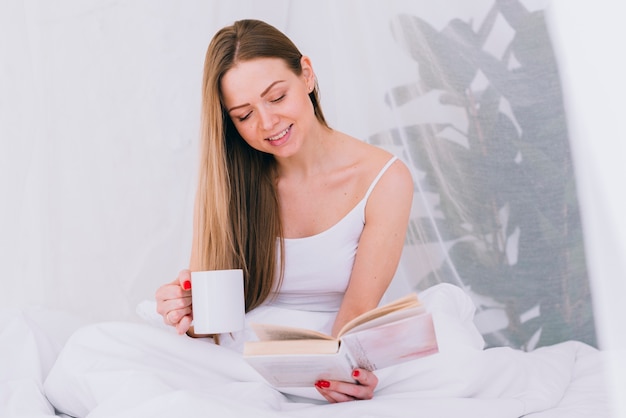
point(52, 365)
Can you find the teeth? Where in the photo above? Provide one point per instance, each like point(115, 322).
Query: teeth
point(280, 135)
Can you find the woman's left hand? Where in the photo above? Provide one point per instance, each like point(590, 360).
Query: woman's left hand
point(335, 391)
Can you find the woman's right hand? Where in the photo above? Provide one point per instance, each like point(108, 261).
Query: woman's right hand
point(174, 302)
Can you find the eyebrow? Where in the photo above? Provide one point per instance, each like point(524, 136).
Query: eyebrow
point(261, 95)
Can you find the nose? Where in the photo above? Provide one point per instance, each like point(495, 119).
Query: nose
point(268, 119)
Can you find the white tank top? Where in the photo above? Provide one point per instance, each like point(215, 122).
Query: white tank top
point(318, 268)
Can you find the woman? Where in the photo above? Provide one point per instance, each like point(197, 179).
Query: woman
point(316, 219)
point(271, 167)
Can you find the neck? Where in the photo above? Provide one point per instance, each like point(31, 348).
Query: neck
point(314, 157)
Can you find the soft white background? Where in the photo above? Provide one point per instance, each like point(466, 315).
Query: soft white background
point(99, 104)
point(588, 41)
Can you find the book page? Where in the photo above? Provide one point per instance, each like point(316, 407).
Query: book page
point(280, 332)
point(405, 302)
point(267, 332)
point(390, 317)
point(396, 342)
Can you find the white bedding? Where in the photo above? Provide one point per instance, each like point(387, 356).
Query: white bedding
point(144, 370)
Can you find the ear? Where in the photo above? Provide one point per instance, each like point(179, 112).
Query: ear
point(307, 72)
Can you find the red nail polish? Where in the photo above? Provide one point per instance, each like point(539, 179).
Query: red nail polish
point(186, 285)
point(356, 373)
point(322, 384)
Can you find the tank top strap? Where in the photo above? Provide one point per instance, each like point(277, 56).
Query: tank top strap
point(380, 174)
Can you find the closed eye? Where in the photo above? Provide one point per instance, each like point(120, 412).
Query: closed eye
point(246, 116)
point(278, 99)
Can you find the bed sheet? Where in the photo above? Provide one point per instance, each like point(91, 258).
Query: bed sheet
point(31, 340)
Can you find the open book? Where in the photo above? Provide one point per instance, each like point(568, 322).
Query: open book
point(390, 334)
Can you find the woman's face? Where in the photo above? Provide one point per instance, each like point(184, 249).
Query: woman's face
point(269, 104)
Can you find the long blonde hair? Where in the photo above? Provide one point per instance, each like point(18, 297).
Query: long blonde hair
point(237, 219)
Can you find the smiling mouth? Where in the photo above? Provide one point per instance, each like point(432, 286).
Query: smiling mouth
point(280, 134)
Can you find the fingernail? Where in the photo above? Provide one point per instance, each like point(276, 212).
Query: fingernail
point(322, 384)
point(186, 285)
point(356, 373)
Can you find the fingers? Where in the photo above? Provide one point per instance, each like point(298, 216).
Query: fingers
point(174, 302)
point(174, 316)
point(335, 391)
point(365, 378)
point(184, 278)
point(171, 297)
point(331, 395)
point(176, 289)
point(184, 324)
point(177, 312)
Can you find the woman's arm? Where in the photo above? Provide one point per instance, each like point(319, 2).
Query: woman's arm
point(386, 221)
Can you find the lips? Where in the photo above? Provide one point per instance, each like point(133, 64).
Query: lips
point(280, 135)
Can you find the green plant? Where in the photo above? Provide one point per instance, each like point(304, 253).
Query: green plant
point(505, 182)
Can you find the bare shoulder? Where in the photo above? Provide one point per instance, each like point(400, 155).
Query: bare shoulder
point(394, 190)
point(372, 159)
point(395, 184)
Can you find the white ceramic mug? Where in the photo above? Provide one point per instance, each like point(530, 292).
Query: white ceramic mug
point(218, 301)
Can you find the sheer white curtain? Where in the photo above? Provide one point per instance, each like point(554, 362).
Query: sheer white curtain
point(593, 67)
point(99, 120)
point(99, 104)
